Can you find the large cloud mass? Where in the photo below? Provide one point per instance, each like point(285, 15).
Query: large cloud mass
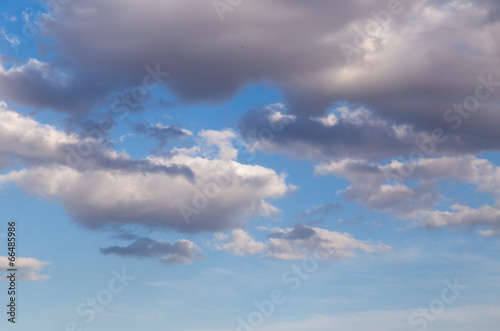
point(428, 56)
point(187, 190)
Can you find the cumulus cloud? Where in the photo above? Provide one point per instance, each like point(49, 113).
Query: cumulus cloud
point(28, 269)
point(222, 140)
point(186, 190)
point(26, 141)
point(296, 243)
point(409, 190)
point(181, 252)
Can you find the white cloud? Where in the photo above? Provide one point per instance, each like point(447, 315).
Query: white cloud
point(222, 140)
point(373, 186)
point(298, 243)
point(28, 268)
point(13, 40)
point(113, 189)
point(28, 138)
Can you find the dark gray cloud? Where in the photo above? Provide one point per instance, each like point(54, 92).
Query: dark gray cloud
point(357, 133)
point(181, 252)
point(55, 86)
point(411, 71)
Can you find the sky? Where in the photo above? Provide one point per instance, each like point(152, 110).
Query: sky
point(251, 165)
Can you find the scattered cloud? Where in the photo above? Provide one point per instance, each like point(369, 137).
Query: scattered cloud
point(296, 243)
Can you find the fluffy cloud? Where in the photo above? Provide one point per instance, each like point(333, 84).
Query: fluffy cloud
point(415, 191)
point(296, 243)
point(26, 141)
point(28, 268)
point(26, 138)
point(186, 190)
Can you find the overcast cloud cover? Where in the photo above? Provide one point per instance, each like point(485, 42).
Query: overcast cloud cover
point(201, 139)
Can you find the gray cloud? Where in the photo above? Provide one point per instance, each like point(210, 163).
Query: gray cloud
point(181, 252)
point(162, 133)
point(408, 73)
point(426, 59)
point(354, 132)
point(299, 232)
point(55, 86)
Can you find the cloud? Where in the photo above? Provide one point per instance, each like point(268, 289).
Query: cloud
point(28, 142)
point(12, 40)
point(27, 268)
point(409, 190)
point(241, 243)
point(296, 243)
point(489, 233)
point(353, 132)
point(428, 57)
point(187, 190)
point(181, 252)
point(222, 140)
point(162, 133)
point(9, 18)
point(465, 216)
point(54, 86)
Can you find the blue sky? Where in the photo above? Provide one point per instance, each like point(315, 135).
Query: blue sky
point(251, 165)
